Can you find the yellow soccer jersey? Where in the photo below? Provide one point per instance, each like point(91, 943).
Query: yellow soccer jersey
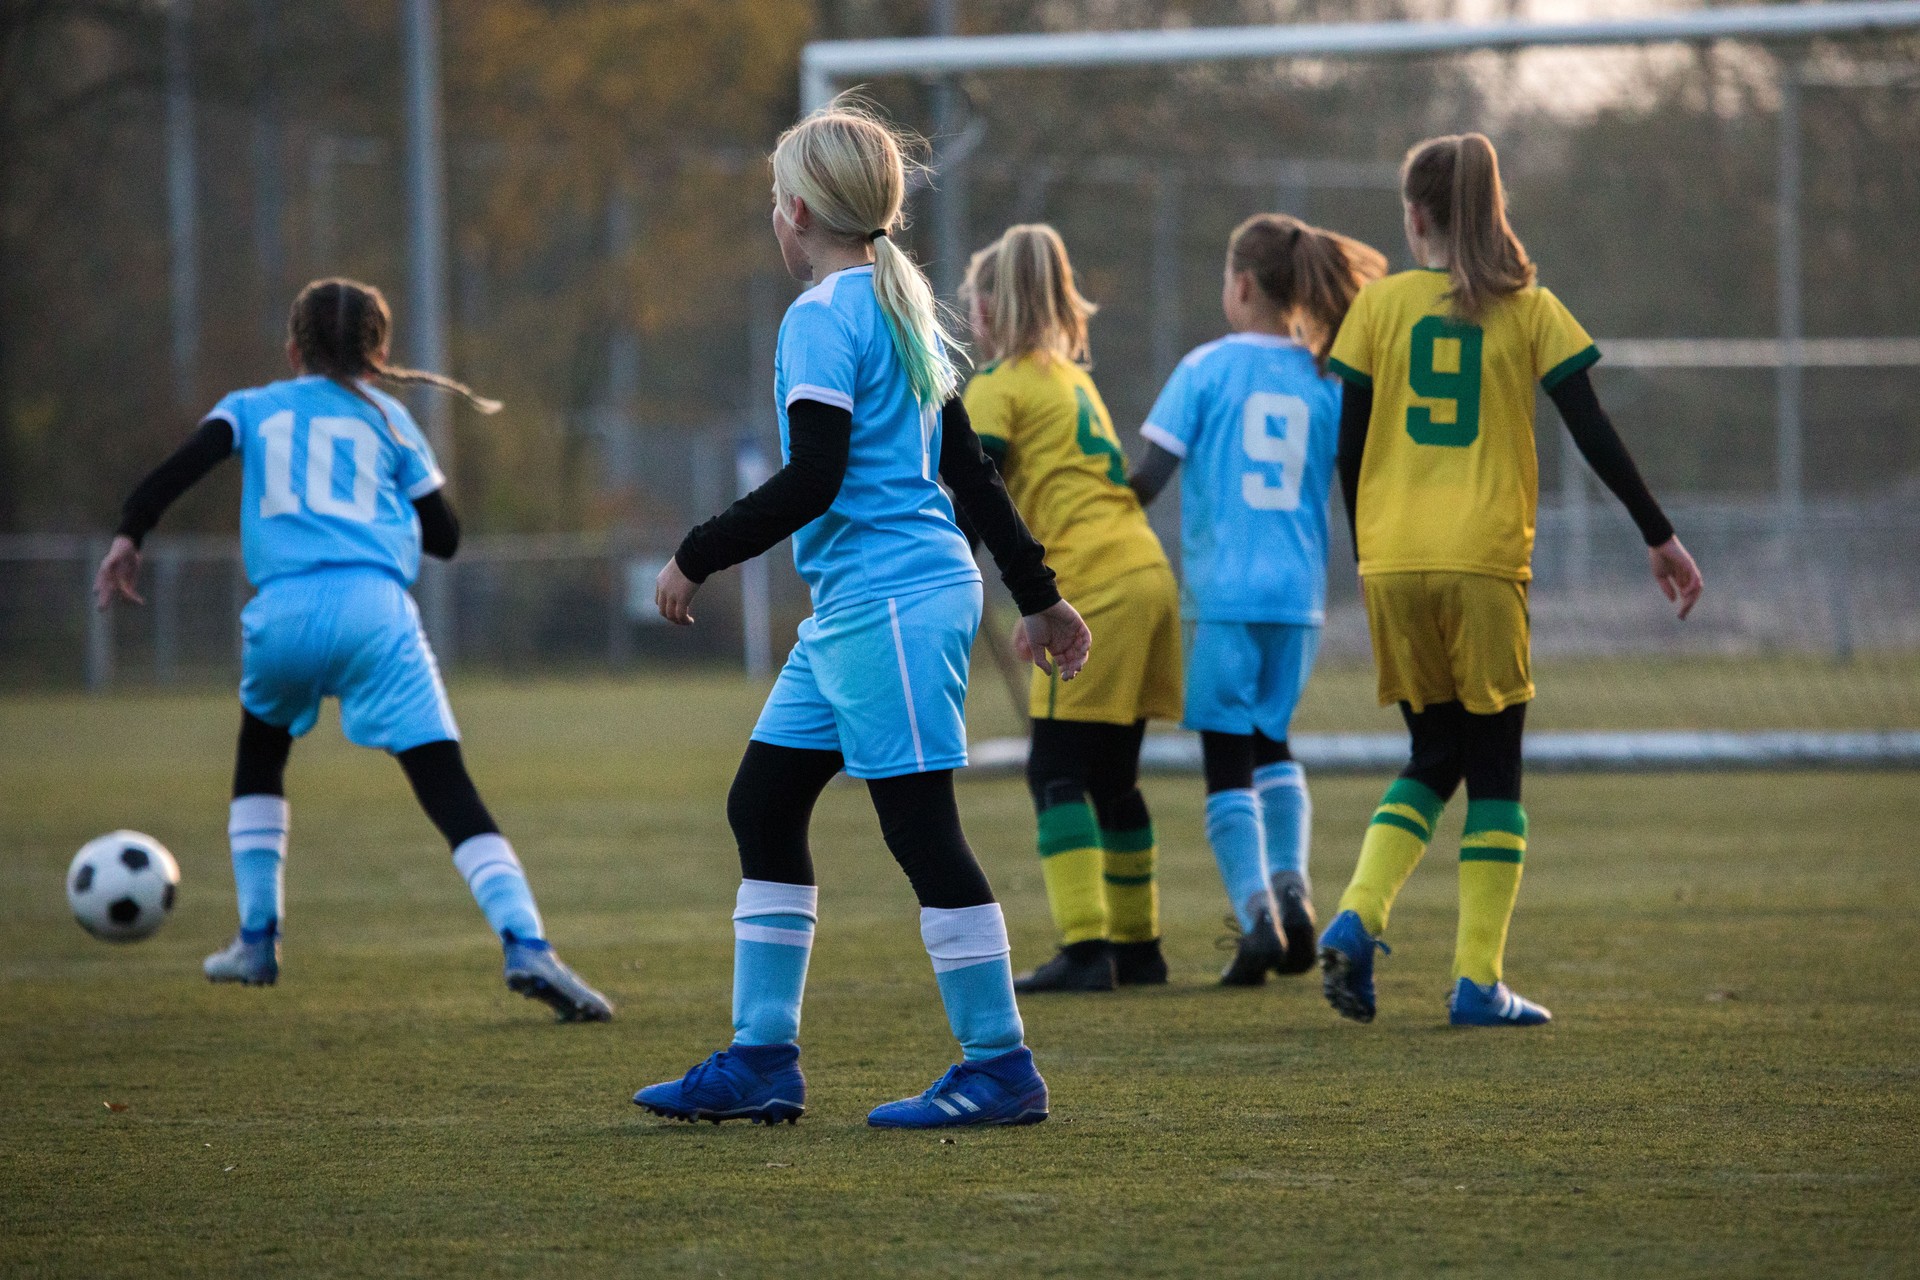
point(1044, 423)
point(1450, 481)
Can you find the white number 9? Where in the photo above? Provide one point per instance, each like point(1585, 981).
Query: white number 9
point(1287, 447)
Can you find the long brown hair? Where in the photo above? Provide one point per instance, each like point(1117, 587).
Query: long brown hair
point(340, 327)
point(1024, 281)
point(1455, 181)
point(1305, 271)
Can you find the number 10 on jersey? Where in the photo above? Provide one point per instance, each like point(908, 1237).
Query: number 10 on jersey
point(1274, 430)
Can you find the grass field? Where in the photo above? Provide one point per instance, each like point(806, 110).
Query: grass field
point(1732, 1086)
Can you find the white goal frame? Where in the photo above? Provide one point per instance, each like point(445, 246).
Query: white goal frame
point(826, 66)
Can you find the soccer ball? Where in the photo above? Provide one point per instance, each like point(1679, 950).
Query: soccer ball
point(121, 886)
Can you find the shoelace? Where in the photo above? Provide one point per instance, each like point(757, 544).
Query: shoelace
point(940, 1085)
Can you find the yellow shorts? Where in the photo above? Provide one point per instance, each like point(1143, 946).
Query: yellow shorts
point(1134, 670)
point(1450, 637)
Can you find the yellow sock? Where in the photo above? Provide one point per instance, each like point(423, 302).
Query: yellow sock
point(1395, 840)
point(1071, 863)
point(1491, 852)
point(1132, 883)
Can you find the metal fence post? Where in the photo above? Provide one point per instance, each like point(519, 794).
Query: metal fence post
point(166, 615)
point(99, 623)
point(751, 468)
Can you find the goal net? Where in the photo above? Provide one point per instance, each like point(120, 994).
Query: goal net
point(1725, 197)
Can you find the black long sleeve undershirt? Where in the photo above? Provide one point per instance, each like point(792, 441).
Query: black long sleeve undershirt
point(819, 440)
point(1150, 476)
point(1356, 410)
point(1592, 431)
point(980, 493)
point(1606, 453)
point(209, 446)
point(185, 467)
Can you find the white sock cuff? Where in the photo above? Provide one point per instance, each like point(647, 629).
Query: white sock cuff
point(1237, 798)
point(261, 819)
point(771, 898)
point(957, 938)
point(1282, 773)
point(483, 857)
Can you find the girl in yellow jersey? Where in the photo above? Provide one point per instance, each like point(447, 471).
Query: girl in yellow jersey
point(1438, 467)
point(1040, 418)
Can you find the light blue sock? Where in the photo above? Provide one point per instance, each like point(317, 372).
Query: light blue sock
point(772, 938)
point(499, 884)
point(1286, 814)
point(972, 962)
point(257, 834)
point(1233, 829)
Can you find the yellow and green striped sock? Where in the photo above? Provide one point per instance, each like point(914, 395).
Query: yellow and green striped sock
point(1071, 862)
point(1133, 884)
point(1491, 853)
point(1395, 840)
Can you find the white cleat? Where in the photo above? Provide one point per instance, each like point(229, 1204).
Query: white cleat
point(537, 973)
point(254, 963)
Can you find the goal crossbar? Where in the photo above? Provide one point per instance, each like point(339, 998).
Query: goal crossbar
point(825, 63)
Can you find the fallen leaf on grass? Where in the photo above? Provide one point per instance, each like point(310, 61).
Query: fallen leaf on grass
point(775, 1164)
point(116, 1106)
point(1721, 997)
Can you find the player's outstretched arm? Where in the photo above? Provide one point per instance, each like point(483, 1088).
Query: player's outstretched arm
point(1593, 434)
point(819, 439)
point(205, 449)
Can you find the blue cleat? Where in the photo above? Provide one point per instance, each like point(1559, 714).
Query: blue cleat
point(1346, 966)
point(1472, 1005)
point(251, 961)
point(757, 1082)
point(1003, 1089)
point(537, 973)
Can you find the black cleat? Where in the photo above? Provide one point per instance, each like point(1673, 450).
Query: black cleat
point(1299, 933)
point(1079, 966)
point(1254, 953)
point(1139, 964)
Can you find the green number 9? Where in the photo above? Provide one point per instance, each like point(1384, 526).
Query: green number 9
point(1445, 366)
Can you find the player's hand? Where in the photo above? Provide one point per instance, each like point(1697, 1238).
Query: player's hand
point(1677, 574)
point(1055, 639)
point(673, 594)
point(119, 571)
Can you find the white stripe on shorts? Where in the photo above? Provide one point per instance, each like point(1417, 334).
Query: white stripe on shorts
point(906, 685)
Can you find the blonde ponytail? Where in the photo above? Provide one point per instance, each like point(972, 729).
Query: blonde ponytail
point(850, 167)
point(1024, 282)
point(1455, 181)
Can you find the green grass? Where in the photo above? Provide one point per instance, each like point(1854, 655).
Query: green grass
point(1731, 1087)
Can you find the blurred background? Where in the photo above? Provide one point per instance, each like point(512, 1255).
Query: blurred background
point(1733, 220)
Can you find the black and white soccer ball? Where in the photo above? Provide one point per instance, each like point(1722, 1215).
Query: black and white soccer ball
point(121, 886)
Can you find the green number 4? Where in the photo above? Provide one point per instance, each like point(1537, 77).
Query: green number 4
point(1445, 366)
point(1094, 443)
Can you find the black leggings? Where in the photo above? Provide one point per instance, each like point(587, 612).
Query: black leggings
point(436, 770)
point(1229, 759)
point(1450, 744)
point(1072, 761)
point(772, 802)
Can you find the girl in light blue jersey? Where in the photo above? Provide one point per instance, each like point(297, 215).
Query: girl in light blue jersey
point(339, 493)
point(1256, 419)
point(876, 685)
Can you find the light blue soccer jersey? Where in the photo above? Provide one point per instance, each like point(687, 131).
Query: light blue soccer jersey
point(1256, 426)
point(324, 481)
point(890, 532)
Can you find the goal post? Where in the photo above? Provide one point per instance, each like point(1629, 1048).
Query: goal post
point(1808, 654)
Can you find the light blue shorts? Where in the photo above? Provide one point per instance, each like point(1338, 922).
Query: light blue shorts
point(883, 683)
point(352, 634)
point(1244, 677)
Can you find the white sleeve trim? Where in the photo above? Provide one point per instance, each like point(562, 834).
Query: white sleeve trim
point(1159, 435)
point(435, 480)
point(825, 395)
